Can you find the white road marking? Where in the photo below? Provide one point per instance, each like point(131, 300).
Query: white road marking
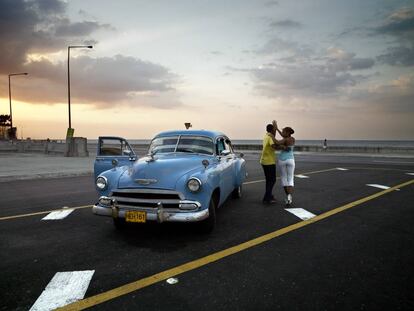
point(172, 281)
point(301, 213)
point(301, 176)
point(398, 162)
point(63, 289)
point(341, 169)
point(57, 215)
point(253, 182)
point(381, 186)
point(412, 174)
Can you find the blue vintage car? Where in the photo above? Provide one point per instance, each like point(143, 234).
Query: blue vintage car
point(184, 177)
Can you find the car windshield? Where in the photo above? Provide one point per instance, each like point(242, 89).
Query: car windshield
point(183, 143)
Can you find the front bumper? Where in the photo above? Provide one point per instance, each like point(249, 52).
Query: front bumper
point(158, 214)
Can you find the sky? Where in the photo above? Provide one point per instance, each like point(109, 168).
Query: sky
point(327, 68)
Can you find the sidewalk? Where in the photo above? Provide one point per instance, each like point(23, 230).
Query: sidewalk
point(17, 166)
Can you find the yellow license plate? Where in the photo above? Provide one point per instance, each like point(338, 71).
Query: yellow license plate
point(135, 216)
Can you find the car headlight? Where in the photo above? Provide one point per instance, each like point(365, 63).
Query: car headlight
point(101, 183)
point(194, 184)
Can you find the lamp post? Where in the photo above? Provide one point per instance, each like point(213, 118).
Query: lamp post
point(10, 103)
point(70, 130)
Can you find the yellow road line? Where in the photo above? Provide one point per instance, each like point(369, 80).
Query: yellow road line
point(43, 212)
point(134, 286)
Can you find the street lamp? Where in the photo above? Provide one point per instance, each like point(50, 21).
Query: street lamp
point(70, 131)
point(11, 75)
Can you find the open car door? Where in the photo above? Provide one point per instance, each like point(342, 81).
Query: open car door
point(112, 148)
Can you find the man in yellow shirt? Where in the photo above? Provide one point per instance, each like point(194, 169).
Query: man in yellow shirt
point(268, 162)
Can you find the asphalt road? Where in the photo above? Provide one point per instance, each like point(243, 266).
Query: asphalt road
point(359, 258)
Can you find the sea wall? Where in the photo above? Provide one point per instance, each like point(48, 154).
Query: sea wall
point(56, 147)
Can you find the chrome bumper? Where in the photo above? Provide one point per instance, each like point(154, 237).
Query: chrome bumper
point(153, 214)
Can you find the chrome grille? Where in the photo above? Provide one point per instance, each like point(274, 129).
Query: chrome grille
point(149, 198)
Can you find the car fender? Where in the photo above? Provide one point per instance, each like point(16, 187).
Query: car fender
point(112, 176)
point(210, 180)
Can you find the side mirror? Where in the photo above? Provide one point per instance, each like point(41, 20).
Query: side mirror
point(225, 153)
point(241, 155)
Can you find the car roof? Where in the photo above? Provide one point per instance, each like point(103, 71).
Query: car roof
point(208, 133)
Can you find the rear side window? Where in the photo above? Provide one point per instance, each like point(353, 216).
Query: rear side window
point(114, 147)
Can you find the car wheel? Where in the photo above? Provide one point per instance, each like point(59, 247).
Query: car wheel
point(119, 223)
point(237, 192)
point(207, 225)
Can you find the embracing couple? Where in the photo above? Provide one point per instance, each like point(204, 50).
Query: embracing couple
point(286, 161)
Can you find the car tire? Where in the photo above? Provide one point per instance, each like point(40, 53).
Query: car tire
point(237, 192)
point(207, 225)
point(119, 223)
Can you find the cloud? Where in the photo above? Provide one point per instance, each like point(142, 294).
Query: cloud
point(397, 23)
point(315, 75)
point(41, 26)
point(271, 3)
point(103, 82)
point(398, 56)
point(286, 23)
point(85, 28)
point(279, 46)
point(400, 26)
point(395, 96)
point(36, 26)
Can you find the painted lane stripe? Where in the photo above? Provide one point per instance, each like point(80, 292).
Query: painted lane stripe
point(63, 289)
point(301, 213)
point(42, 213)
point(397, 162)
point(301, 176)
point(380, 186)
point(57, 215)
point(412, 174)
point(342, 169)
point(192, 265)
point(255, 181)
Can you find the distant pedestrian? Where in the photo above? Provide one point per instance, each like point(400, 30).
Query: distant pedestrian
point(286, 161)
point(268, 162)
point(325, 144)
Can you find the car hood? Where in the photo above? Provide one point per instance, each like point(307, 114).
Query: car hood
point(163, 172)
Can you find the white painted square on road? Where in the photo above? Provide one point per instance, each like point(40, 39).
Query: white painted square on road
point(57, 215)
point(301, 213)
point(63, 289)
point(381, 186)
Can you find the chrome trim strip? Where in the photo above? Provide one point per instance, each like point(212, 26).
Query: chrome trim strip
point(158, 214)
point(161, 191)
point(136, 200)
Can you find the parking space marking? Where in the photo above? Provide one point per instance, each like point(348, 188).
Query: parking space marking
point(396, 162)
point(380, 186)
point(301, 213)
point(42, 213)
point(192, 265)
point(301, 176)
point(58, 215)
point(63, 289)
